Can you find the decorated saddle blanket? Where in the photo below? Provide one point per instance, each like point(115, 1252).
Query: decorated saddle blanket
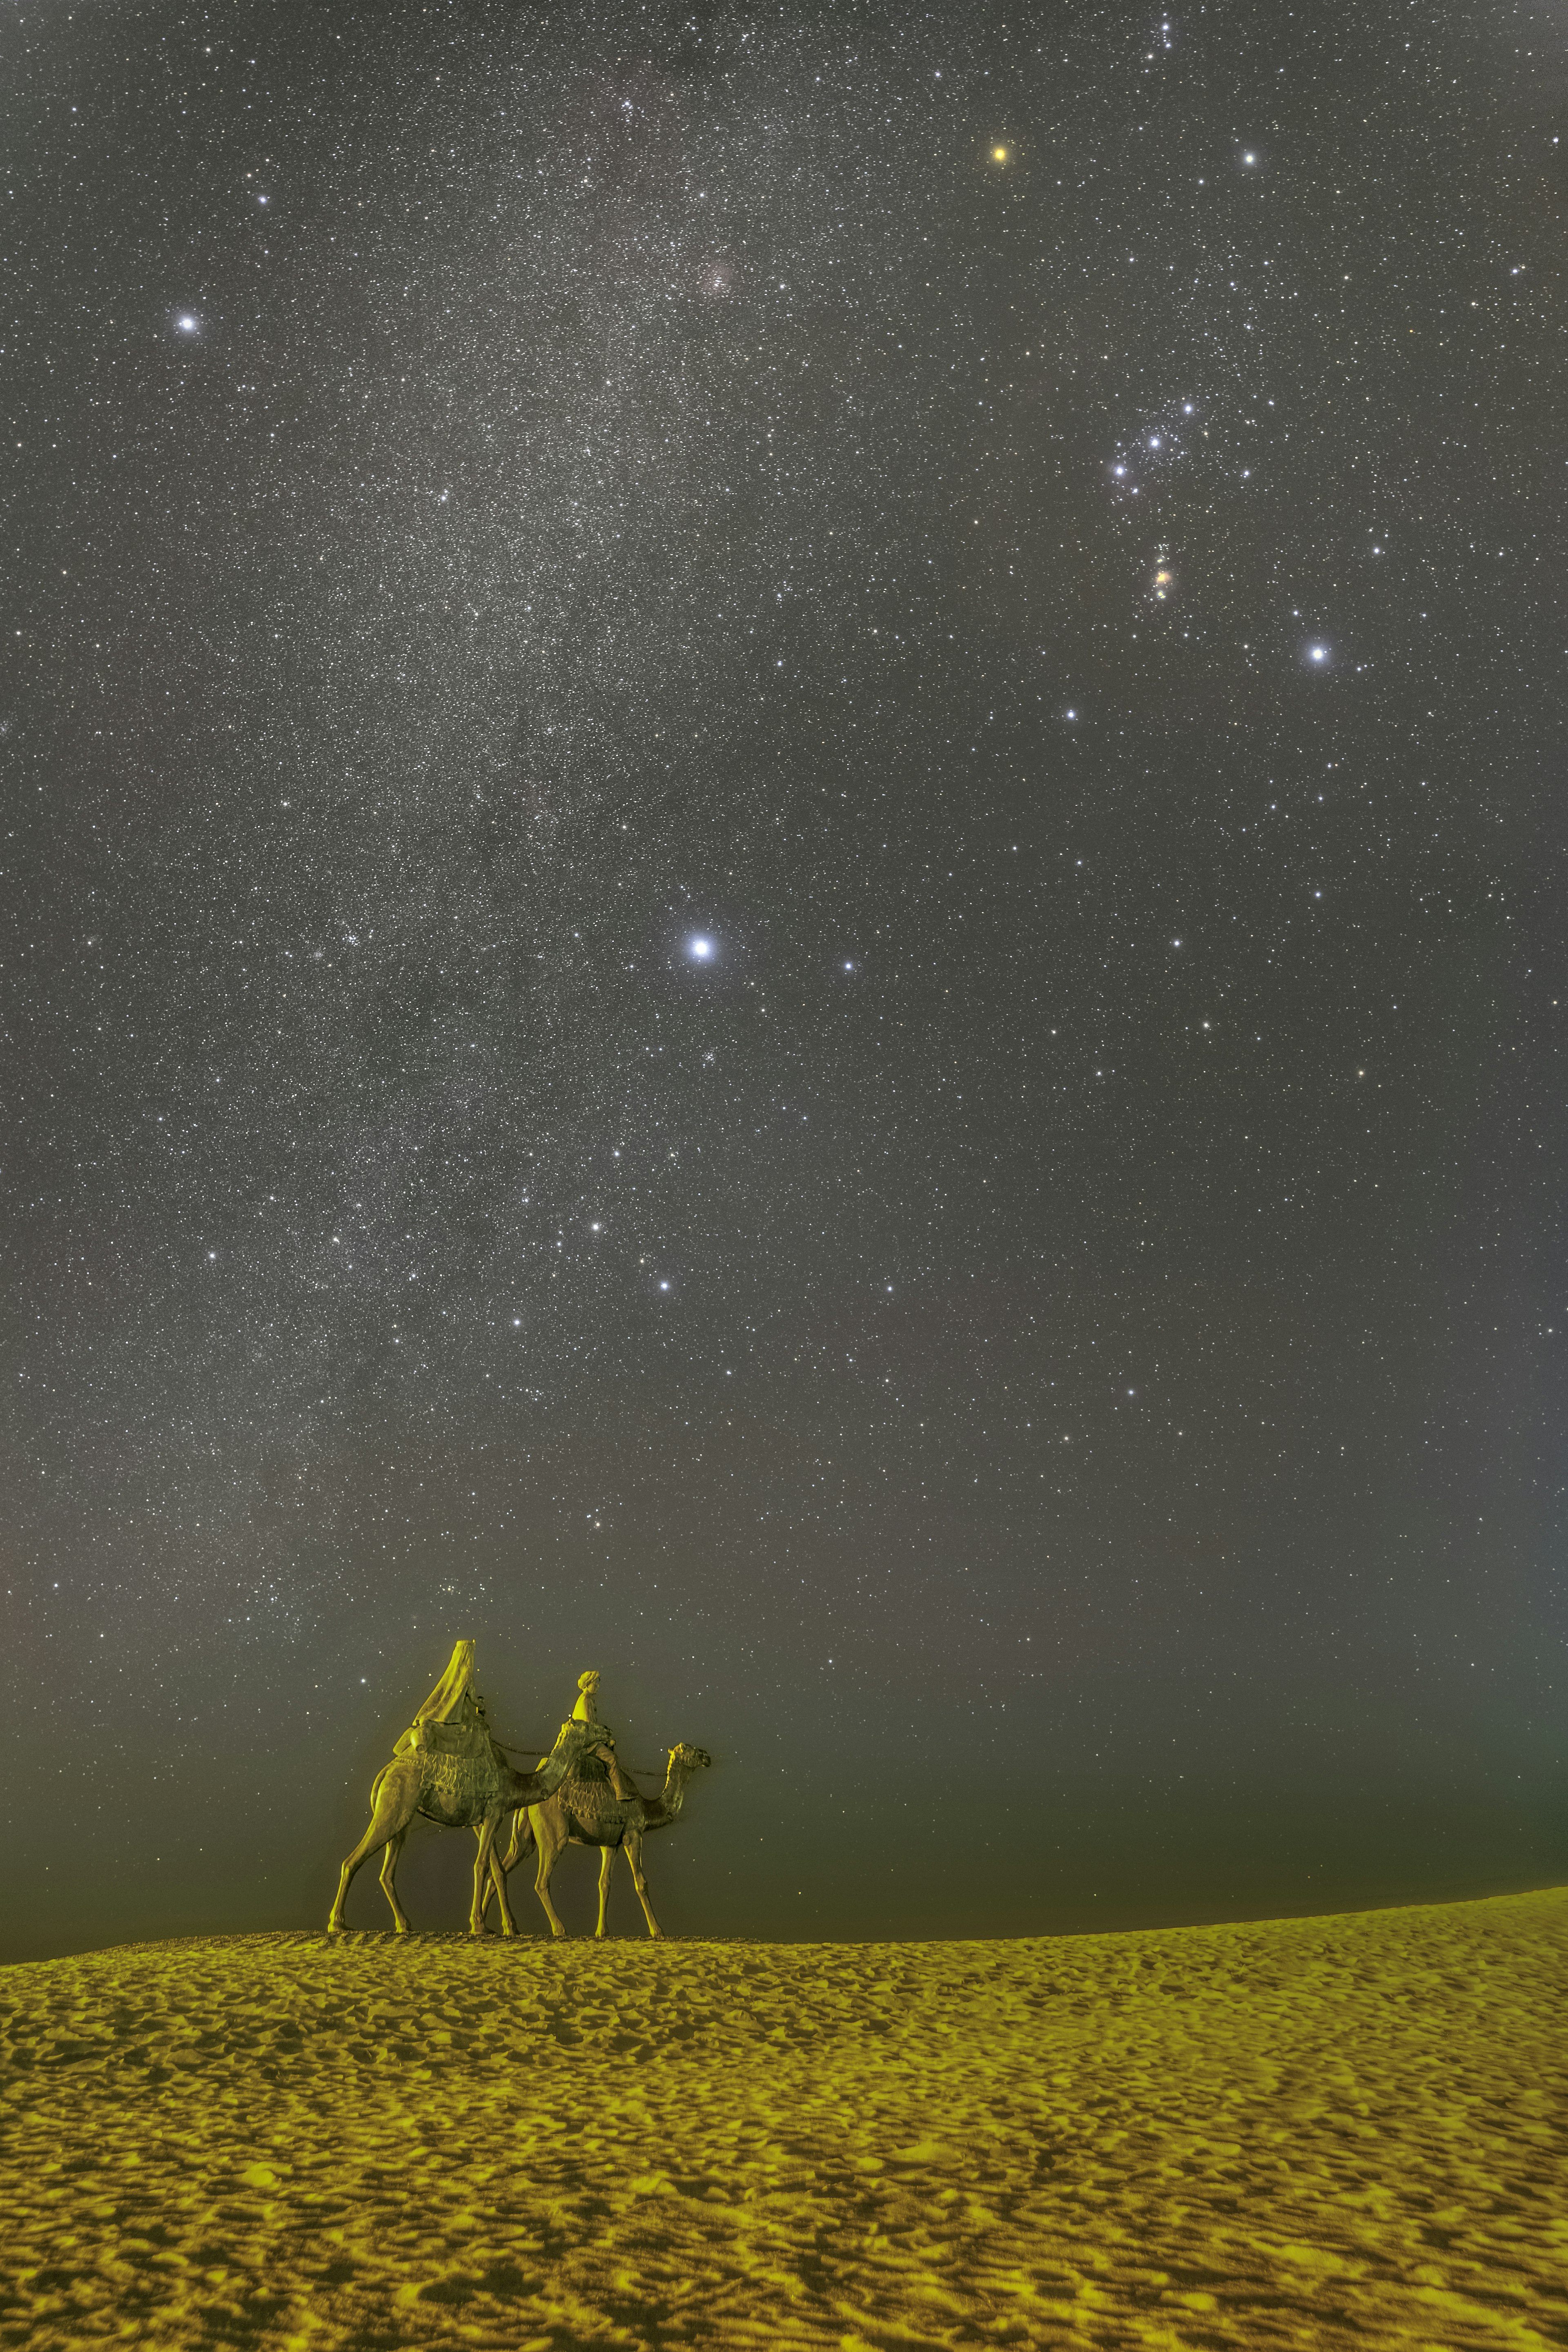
point(459, 1779)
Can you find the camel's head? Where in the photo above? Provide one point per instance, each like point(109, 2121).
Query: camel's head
point(688, 1758)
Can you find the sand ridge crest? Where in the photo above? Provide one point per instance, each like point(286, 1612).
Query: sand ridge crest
point(1322, 2132)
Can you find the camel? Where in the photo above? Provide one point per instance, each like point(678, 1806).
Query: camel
point(452, 1772)
point(596, 1805)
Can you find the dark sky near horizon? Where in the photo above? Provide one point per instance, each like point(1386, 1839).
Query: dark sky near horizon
point(783, 908)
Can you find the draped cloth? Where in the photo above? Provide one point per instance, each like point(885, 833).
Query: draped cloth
point(446, 1702)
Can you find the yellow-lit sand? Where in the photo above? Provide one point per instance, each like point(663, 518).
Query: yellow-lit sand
point(1318, 2132)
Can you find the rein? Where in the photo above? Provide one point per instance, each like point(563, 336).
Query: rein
point(510, 1747)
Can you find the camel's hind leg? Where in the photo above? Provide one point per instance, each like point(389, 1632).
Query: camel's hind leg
point(393, 1802)
point(607, 1865)
point(550, 1852)
point(389, 1880)
point(633, 1856)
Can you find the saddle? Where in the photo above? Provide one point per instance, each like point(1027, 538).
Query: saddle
point(436, 1738)
point(452, 1721)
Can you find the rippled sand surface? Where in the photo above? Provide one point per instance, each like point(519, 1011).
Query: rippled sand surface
point(1317, 2132)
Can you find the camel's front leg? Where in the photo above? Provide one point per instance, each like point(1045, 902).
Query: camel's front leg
point(393, 1802)
point(389, 1880)
point(634, 1857)
point(482, 1860)
point(549, 1852)
point(607, 1865)
point(504, 1862)
point(498, 1880)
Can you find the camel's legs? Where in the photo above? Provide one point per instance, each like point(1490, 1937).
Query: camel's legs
point(393, 1802)
point(389, 1880)
point(633, 1856)
point(522, 1836)
point(507, 1862)
point(482, 1882)
point(498, 1880)
point(607, 1865)
point(502, 1864)
point(549, 1852)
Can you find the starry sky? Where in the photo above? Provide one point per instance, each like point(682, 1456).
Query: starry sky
point(782, 884)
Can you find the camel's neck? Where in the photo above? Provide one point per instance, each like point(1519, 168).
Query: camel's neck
point(674, 1794)
point(656, 1810)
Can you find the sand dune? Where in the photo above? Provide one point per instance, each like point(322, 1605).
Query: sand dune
point(1320, 2132)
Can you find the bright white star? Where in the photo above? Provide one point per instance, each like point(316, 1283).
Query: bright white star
point(1317, 653)
point(700, 949)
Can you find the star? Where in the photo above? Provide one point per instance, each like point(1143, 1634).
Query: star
point(1317, 653)
point(188, 323)
point(700, 948)
point(999, 154)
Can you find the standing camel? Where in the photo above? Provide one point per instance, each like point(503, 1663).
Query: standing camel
point(595, 1804)
point(454, 1773)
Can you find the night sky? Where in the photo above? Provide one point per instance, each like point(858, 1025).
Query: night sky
point(783, 908)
